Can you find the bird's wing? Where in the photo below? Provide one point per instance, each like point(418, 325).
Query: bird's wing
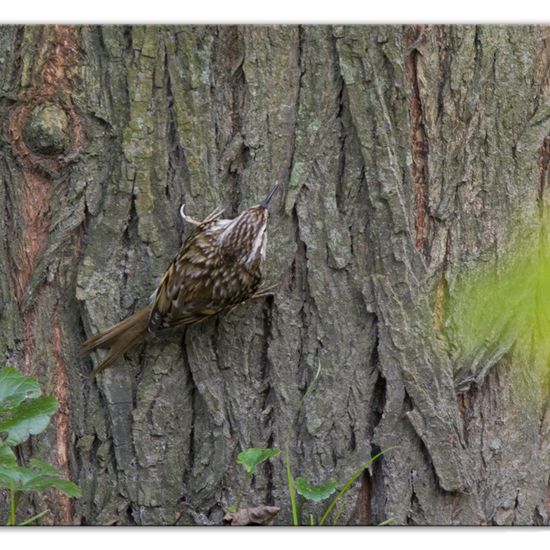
point(186, 293)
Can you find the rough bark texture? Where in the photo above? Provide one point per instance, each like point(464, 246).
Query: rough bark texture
point(405, 153)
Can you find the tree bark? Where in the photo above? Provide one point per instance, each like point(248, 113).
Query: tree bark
point(406, 153)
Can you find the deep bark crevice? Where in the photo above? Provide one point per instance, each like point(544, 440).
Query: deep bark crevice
point(419, 142)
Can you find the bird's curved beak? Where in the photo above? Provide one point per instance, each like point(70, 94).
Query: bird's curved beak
point(266, 201)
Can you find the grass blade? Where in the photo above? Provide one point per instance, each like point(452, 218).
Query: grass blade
point(11, 521)
point(290, 479)
point(291, 490)
point(349, 483)
point(34, 518)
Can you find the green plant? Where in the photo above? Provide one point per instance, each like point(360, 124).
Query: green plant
point(250, 458)
point(322, 492)
point(347, 486)
point(24, 411)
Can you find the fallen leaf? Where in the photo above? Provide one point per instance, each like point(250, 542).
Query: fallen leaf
point(259, 515)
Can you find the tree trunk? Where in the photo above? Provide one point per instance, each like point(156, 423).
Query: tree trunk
point(406, 153)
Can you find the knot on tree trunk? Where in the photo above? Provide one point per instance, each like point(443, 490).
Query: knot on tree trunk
point(46, 131)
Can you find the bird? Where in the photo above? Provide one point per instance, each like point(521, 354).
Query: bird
point(219, 266)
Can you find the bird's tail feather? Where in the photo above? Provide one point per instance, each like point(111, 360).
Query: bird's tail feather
point(119, 338)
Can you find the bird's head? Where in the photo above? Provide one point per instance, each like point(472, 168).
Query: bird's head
point(246, 234)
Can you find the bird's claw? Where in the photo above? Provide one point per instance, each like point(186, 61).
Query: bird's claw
point(264, 292)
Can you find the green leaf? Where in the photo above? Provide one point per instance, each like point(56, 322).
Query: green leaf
point(27, 479)
point(43, 482)
point(314, 492)
point(14, 476)
point(7, 458)
point(254, 456)
point(25, 412)
point(44, 467)
point(28, 418)
point(50, 477)
point(15, 388)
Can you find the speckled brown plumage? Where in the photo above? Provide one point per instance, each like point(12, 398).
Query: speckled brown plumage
point(218, 267)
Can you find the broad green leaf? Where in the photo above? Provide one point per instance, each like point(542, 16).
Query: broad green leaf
point(15, 388)
point(15, 476)
point(7, 458)
point(27, 479)
point(314, 492)
point(43, 482)
point(25, 412)
point(28, 418)
point(254, 456)
point(44, 467)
